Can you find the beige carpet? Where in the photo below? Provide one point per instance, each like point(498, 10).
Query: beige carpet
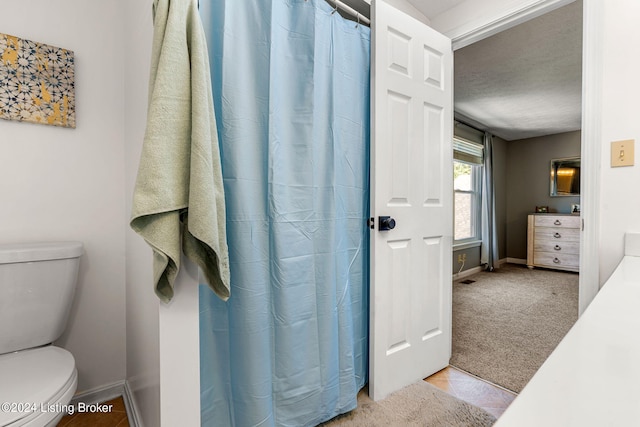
point(508, 322)
point(419, 404)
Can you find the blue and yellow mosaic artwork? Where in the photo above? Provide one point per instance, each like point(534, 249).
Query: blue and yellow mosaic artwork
point(36, 82)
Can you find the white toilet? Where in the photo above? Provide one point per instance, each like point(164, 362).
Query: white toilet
point(37, 379)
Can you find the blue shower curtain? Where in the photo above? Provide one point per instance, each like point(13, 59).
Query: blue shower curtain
point(291, 93)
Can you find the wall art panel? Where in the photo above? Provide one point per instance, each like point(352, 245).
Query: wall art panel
point(36, 82)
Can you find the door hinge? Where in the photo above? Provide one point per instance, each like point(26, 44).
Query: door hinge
point(371, 223)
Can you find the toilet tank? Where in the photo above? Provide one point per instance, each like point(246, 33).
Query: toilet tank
point(37, 283)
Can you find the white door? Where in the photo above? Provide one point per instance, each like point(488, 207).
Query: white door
point(411, 182)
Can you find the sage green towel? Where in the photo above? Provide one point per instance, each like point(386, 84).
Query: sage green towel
point(178, 200)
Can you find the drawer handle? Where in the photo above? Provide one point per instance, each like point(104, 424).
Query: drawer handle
point(557, 222)
point(557, 235)
point(557, 247)
point(556, 261)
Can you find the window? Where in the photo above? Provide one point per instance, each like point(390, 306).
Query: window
point(467, 187)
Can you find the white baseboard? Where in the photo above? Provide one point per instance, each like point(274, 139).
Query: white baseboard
point(467, 273)
point(100, 394)
point(132, 408)
point(109, 392)
point(474, 270)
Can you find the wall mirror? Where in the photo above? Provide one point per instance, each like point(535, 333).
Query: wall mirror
point(565, 177)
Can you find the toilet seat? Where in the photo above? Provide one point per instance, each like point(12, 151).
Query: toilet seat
point(45, 377)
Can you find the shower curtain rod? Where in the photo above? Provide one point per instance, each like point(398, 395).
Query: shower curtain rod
point(348, 9)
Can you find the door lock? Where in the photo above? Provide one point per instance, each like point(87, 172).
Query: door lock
point(386, 223)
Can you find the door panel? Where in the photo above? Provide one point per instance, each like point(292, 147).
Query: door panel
point(412, 125)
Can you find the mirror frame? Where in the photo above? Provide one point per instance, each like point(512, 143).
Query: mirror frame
point(555, 164)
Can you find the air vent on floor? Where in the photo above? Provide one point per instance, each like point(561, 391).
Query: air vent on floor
point(468, 281)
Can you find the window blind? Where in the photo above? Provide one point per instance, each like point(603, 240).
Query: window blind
point(467, 151)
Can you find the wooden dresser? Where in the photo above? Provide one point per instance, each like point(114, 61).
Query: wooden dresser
point(553, 241)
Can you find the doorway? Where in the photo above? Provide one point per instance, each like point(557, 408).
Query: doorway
point(469, 28)
point(496, 78)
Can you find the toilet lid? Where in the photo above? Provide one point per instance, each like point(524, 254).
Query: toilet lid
point(33, 376)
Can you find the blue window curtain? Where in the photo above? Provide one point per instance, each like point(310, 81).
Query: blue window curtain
point(489, 249)
point(291, 94)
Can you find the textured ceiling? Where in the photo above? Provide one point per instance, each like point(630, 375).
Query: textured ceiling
point(526, 81)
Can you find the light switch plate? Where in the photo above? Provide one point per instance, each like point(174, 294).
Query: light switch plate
point(622, 153)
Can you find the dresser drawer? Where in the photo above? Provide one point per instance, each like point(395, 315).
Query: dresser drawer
point(553, 241)
point(557, 246)
point(557, 234)
point(555, 260)
point(557, 221)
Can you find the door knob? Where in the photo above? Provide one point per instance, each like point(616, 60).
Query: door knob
point(386, 223)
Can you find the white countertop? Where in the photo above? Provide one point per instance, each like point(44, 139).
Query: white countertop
point(593, 377)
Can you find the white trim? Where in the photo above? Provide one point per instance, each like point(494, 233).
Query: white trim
point(510, 19)
point(466, 273)
point(476, 200)
point(180, 351)
point(100, 394)
point(131, 406)
point(109, 392)
point(466, 245)
point(592, 59)
point(479, 268)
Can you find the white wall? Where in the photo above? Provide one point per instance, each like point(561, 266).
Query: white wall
point(143, 353)
point(67, 184)
point(409, 9)
point(620, 193)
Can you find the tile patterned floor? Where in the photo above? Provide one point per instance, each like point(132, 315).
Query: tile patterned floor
point(474, 390)
point(117, 417)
